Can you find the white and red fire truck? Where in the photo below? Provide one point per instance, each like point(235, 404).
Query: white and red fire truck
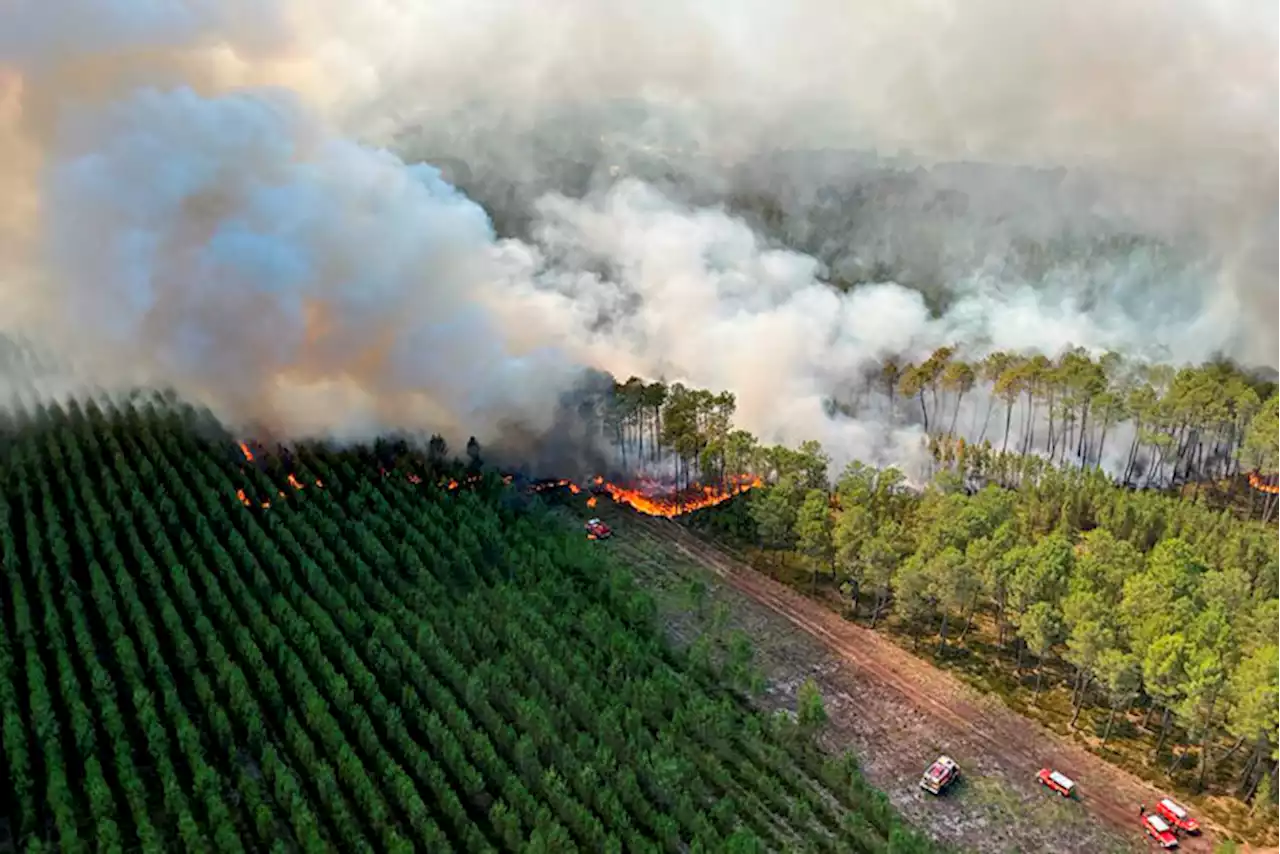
point(1056, 780)
point(597, 530)
point(1156, 827)
point(1177, 815)
point(941, 774)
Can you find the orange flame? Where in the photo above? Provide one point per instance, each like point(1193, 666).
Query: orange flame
point(646, 500)
point(698, 497)
point(644, 497)
point(543, 487)
point(292, 478)
point(244, 499)
point(1258, 482)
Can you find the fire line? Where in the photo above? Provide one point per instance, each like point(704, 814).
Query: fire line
point(650, 498)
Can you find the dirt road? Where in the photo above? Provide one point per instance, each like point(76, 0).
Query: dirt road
point(1008, 745)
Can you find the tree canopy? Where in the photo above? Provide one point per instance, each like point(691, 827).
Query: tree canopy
point(1081, 505)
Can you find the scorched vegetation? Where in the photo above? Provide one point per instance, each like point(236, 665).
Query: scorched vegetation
point(374, 663)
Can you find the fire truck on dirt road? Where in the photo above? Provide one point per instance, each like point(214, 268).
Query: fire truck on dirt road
point(1056, 780)
point(1176, 815)
point(597, 530)
point(941, 774)
point(1156, 827)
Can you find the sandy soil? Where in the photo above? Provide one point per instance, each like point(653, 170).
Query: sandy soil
point(898, 712)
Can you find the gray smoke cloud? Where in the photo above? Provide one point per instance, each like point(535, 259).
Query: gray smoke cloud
point(227, 199)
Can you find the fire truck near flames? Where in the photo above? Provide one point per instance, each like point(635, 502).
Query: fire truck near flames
point(597, 530)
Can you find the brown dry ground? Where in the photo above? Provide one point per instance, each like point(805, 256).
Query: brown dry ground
point(895, 711)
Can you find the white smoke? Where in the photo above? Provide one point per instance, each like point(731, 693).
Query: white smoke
point(192, 206)
point(288, 275)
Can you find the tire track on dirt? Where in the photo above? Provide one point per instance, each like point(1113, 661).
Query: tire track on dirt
point(1007, 737)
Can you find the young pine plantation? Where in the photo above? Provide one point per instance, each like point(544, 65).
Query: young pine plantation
point(373, 663)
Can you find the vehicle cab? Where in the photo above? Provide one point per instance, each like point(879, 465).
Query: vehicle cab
point(1056, 780)
point(1159, 830)
point(1176, 815)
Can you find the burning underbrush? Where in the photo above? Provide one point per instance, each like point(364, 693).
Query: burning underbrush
point(644, 495)
point(654, 497)
point(1264, 483)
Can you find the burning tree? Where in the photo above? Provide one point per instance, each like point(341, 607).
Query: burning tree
point(654, 425)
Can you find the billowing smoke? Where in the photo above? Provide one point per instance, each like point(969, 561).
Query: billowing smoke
point(197, 199)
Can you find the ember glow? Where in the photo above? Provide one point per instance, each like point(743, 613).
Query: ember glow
point(651, 497)
point(656, 498)
point(1263, 484)
point(555, 484)
point(293, 481)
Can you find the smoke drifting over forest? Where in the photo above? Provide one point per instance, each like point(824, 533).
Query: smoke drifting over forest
point(234, 199)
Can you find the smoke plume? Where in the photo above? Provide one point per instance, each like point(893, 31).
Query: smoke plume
point(234, 199)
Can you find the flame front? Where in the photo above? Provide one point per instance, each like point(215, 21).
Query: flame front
point(669, 506)
point(1259, 483)
point(649, 497)
point(652, 498)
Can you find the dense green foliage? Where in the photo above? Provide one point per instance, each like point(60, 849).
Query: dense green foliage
point(1158, 599)
point(1141, 600)
point(375, 665)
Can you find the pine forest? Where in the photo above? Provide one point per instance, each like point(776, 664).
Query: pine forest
point(375, 664)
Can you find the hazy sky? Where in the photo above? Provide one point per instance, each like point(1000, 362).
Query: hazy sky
point(196, 197)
